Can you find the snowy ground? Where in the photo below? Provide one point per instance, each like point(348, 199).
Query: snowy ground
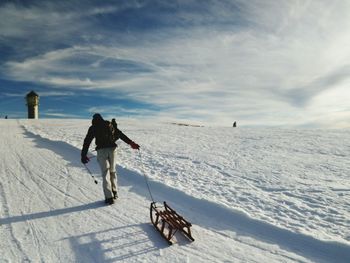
point(264, 195)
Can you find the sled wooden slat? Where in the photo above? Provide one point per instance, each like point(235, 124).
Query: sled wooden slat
point(168, 222)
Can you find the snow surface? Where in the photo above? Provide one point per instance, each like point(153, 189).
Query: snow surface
point(252, 195)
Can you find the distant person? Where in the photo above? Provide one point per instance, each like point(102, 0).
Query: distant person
point(105, 134)
point(234, 125)
point(6, 117)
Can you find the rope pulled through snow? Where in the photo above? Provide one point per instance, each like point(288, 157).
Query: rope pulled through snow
point(146, 177)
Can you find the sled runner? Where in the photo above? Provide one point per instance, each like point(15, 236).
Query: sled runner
point(168, 222)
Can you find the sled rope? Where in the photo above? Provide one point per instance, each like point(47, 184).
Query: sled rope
point(165, 219)
point(146, 177)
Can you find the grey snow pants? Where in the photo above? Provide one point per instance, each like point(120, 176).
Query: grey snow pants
point(106, 158)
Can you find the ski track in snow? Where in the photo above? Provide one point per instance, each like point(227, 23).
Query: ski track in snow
point(253, 196)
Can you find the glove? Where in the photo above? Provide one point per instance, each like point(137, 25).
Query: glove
point(134, 145)
point(85, 159)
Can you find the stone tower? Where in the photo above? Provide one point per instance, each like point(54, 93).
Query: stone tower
point(33, 105)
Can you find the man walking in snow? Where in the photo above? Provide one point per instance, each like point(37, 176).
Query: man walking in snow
point(105, 134)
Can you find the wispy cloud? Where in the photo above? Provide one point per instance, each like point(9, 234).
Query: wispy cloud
point(56, 113)
point(258, 62)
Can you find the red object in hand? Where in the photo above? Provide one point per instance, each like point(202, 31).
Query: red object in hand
point(134, 145)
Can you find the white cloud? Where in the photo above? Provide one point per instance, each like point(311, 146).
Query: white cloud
point(54, 93)
point(58, 115)
point(267, 68)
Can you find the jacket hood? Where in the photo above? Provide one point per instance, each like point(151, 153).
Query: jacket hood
point(96, 119)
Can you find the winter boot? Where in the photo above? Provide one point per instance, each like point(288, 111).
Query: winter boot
point(109, 201)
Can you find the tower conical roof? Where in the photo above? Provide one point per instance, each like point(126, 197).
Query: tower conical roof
point(32, 94)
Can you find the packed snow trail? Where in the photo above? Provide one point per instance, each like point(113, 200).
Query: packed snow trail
point(51, 211)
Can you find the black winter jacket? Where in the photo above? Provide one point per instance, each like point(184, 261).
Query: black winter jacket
point(92, 133)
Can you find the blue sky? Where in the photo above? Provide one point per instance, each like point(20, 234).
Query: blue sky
point(260, 63)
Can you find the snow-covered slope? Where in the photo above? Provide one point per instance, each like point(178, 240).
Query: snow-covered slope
point(265, 195)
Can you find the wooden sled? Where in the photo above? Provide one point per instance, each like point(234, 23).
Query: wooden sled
point(168, 222)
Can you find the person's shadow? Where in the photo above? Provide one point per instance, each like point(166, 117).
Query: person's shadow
point(51, 213)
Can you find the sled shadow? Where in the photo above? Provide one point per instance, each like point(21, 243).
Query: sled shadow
point(115, 244)
point(123, 242)
point(214, 216)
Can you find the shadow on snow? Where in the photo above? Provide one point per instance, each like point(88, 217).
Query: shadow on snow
point(218, 217)
point(51, 213)
point(93, 247)
point(198, 211)
point(68, 152)
point(96, 246)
